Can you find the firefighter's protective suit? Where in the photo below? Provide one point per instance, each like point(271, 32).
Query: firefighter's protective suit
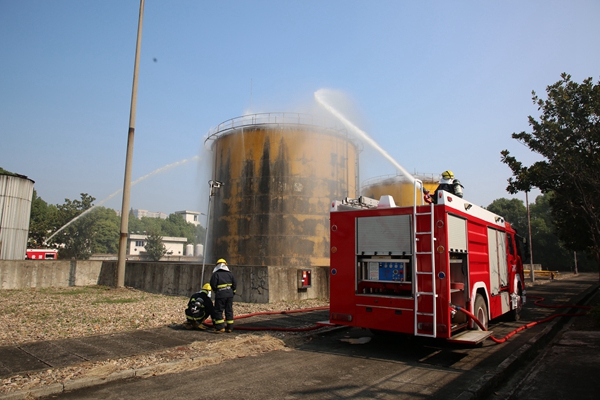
point(224, 284)
point(199, 308)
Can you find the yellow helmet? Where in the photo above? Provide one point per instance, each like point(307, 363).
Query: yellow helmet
point(207, 287)
point(221, 260)
point(447, 175)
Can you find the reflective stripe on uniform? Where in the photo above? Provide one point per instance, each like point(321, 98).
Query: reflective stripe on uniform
point(219, 321)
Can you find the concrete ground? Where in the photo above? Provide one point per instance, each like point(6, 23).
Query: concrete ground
point(569, 351)
point(567, 368)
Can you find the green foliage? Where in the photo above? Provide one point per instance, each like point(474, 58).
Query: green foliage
point(548, 250)
point(513, 211)
point(107, 231)
point(42, 221)
point(91, 230)
point(567, 136)
point(154, 245)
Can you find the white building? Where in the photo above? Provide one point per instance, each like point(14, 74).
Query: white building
point(193, 217)
point(174, 245)
point(150, 214)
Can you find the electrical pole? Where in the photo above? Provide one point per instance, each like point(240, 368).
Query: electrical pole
point(531, 273)
point(120, 278)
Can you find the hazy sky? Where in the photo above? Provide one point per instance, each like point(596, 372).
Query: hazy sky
point(437, 84)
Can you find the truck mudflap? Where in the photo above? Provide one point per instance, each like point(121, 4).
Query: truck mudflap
point(471, 337)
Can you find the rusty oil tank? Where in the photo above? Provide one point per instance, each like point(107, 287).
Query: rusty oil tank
point(398, 186)
point(280, 172)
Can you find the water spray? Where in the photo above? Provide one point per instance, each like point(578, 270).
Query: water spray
point(320, 98)
point(157, 171)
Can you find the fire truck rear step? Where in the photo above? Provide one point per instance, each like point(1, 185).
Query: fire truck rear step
point(470, 337)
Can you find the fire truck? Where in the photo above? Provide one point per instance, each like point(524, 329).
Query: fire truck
point(412, 270)
point(42, 254)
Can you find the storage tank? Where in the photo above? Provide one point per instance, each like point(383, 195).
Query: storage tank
point(16, 192)
point(398, 186)
point(198, 250)
point(189, 250)
point(280, 172)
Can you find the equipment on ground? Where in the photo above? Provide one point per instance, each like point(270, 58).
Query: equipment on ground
point(403, 269)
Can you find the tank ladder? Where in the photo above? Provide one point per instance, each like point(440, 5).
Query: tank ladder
point(424, 269)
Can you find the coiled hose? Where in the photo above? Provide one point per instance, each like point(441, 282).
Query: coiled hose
point(526, 326)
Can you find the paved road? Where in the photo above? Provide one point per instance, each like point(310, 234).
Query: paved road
point(328, 367)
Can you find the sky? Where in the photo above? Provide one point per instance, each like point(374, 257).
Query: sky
point(437, 84)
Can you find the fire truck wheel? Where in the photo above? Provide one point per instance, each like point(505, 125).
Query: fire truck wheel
point(481, 312)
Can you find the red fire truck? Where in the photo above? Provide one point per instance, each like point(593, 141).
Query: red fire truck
point(42, 254)
point(412, 269)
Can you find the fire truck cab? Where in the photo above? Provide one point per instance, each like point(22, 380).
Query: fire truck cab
point(411, 269)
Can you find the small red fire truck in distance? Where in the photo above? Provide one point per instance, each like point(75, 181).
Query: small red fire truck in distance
point(412, 269)
point(42, 254)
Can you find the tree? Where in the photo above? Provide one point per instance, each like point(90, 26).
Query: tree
point(41, 222)
point(106, 231)
point(567, 136)
point(75, 240)
point(513, 211)
point(154, 245)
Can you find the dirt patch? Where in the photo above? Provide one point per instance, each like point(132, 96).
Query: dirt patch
point(32, 315)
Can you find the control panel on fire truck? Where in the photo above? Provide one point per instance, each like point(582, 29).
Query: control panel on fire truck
point(387, 270)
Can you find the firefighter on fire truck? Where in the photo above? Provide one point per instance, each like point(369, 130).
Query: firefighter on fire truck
point(449, 184)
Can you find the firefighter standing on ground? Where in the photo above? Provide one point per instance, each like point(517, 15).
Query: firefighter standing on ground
point(199, 308)
point(224, 284)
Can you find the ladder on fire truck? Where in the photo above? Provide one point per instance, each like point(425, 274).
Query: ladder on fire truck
point(424, 269)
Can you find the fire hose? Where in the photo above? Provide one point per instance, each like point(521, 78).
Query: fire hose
point(526, 326)
point(268, 328)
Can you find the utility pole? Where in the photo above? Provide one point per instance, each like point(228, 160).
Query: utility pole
point(531, 273)
point(120, 278)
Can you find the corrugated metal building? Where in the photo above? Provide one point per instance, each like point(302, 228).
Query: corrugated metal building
point(16, 193)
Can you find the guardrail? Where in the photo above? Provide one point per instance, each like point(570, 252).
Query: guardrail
point(274, 118)
point(542, 273)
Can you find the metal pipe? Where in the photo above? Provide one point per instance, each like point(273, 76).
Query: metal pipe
point(213, 185)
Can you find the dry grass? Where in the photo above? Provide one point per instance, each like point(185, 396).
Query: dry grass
point(28, 315)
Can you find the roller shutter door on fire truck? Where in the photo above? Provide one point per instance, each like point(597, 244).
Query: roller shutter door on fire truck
point(497, 256)
point(388, 235)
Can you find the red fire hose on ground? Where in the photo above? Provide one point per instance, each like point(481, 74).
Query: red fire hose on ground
point(265, 328)
point(526, 326)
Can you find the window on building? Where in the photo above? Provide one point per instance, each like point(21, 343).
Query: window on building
point(139, 243)
point(195, 218)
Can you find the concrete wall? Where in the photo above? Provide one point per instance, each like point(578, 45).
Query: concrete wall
point(45, 273)
point(255, 284)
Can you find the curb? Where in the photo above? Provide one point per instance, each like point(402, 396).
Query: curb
point(486, 384)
